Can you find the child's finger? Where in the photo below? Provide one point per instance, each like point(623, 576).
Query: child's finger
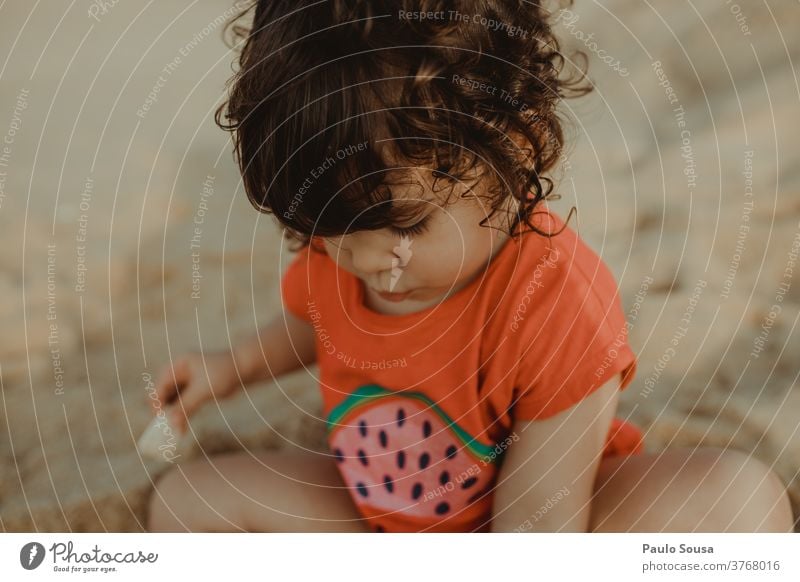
point(176, 419)
point(163, 387)
point(190, 400)
point(169, 382)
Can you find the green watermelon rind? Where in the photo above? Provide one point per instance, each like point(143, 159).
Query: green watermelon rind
point(370, 392)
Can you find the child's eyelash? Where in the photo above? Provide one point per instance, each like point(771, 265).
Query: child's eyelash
point(414, 229)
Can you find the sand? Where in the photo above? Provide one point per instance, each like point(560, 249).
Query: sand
point(100, 198)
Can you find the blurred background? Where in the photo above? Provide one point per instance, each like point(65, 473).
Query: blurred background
point(127, 239)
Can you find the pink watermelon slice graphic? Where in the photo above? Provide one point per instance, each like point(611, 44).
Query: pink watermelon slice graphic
point(398, 452)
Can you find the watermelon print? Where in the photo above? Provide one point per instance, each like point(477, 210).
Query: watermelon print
point(400, 453)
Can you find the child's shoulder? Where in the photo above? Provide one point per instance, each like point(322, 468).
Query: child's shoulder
point(563, 257)
point(558, 279)
point(567, 325)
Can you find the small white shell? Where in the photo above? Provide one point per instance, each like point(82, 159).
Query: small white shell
point(160, 440)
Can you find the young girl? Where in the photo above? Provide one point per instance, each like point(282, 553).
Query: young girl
point(471, 347)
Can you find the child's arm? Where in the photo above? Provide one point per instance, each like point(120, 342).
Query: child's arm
point(547, 479)
point(195, 378)
point(287, 342)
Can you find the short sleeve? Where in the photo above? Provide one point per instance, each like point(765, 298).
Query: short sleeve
point(295, 285)
point(579, 345)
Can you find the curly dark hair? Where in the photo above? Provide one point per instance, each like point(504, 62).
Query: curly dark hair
point(448, 84)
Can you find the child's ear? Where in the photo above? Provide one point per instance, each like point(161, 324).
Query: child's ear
point(516, 138)
point(524, 149)
point(520, 140)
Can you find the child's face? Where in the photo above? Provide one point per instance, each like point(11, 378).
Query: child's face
point(409, 271)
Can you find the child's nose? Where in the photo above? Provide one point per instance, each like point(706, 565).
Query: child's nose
point(369, 256)
point(369, 259)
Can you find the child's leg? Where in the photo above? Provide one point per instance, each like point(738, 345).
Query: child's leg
point(267, 491)
point(683, 490)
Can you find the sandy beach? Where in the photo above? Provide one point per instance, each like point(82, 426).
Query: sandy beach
point(128, 240)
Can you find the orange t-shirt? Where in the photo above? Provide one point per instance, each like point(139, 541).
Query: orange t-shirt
point(420, 406)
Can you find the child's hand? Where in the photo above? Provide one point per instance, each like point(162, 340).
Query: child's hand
point(197, 378)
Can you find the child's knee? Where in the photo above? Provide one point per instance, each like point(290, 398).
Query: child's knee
point(163, 506)
point(754, 498)
point(200, 495)
point(771, 507)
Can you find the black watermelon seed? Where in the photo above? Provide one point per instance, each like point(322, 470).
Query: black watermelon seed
point(361, 489)
point(401, 459)
point(469, 482)
point(450, 452)
point(362, 457)
point(442, 508)
point(388, 483)
point(444, 478)
point(426, 429)
point(424, 459)
point(383, 438)
point(379, 529)
point(362, 428)
point(416, 490)
point(401, 417)
point(339, 455)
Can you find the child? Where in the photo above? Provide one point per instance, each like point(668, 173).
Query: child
point(471, 347)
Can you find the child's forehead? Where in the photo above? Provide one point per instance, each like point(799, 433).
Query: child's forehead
point(410, 204)
point(412, 187)
point(415, 190)
point(413, 208)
